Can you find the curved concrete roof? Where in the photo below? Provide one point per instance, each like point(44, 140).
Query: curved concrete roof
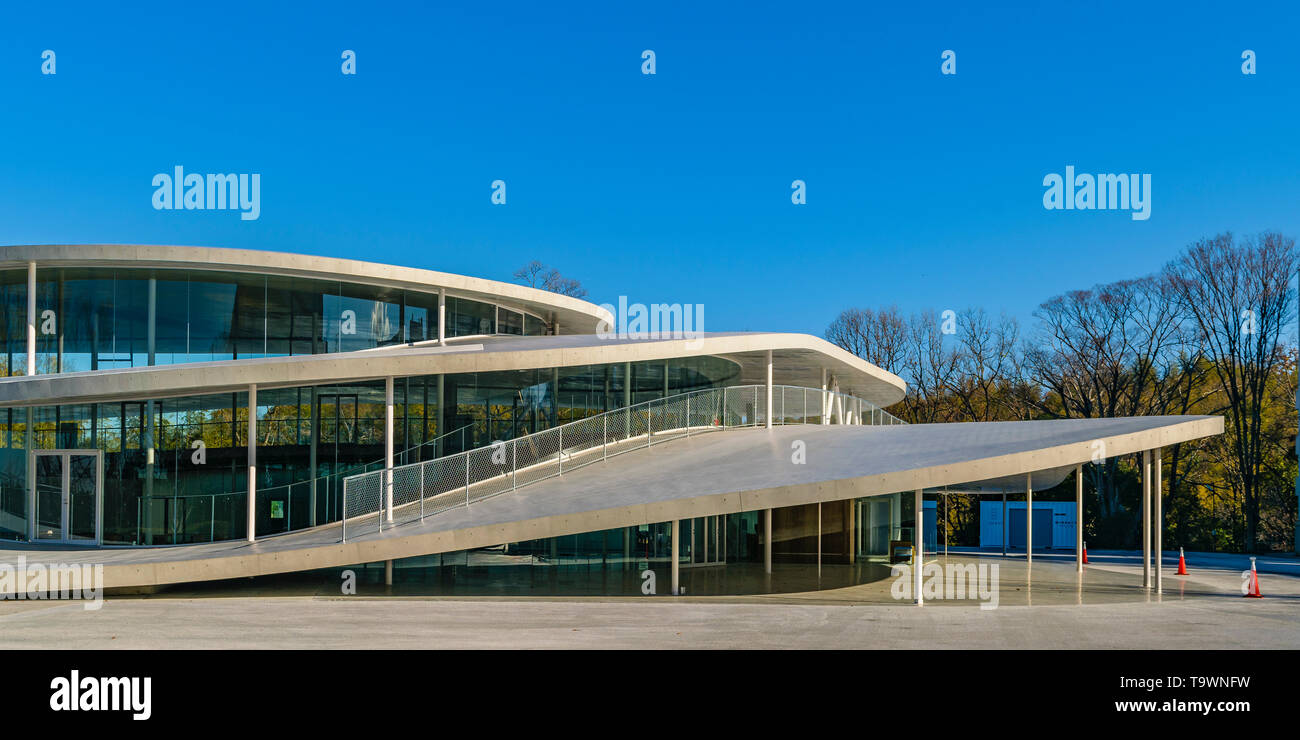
point(797, 359)
point(717, 473)
point(573, 314)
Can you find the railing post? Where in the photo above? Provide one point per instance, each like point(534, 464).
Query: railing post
point(420, 469)
point(466, 456)
point(212, 520)
point(344, 519)
point(514, 462)
point(604, 436)
point(559, 455)
point(688, 415)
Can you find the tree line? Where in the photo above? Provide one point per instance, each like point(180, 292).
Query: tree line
point(1211, 333)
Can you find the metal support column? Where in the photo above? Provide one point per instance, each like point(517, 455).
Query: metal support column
point(676, 548)
point(768, 412)
point(388, 448)
point(442, 319)
point(1005, 530)
point(825, 403)
point(1158, 522)
point(31, 319)
point(1078, 518)
point(918, 549)
point(767, 542)
point(1029, 517)
point(1146, 519)
point(252, 462)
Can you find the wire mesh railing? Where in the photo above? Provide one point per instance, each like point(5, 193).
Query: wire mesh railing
point(378, 499)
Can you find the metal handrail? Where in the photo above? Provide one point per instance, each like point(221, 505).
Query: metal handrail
point(461, 479)
point(285, 489)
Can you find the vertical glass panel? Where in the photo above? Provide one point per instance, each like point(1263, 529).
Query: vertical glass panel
point(466, 317)
point(13, 322)
point(421, 317)
point(83, 472)
point(249, 320)
point(212, 318)
point(49, 497)
point(509, 322)
point(533, 326)
point(172, 319)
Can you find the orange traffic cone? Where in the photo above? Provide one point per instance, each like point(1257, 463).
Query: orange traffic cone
point(1182, 563)
point(1085, 553)
point(1254, 582)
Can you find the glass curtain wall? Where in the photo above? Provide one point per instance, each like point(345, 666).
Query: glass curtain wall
point(175, 470)
point(103, 318)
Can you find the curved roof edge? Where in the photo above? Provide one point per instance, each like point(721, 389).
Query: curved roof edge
point(798, 359)
point(573, 314)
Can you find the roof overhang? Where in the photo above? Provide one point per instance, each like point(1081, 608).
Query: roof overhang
point(572, 314)
point(798, 359)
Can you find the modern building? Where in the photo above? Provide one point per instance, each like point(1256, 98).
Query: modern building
point(185, 414)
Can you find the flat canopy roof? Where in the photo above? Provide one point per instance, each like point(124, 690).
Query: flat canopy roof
point(723, 472)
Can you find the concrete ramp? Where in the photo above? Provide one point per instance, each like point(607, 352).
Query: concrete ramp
point(710, 474)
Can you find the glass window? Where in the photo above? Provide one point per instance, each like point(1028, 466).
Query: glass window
point(468, 318)
point(533, 326)
point(509, 322)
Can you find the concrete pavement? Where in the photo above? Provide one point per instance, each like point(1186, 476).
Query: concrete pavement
point(1106, 611)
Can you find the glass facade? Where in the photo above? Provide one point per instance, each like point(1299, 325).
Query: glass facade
point(716, 555)
point(175, 471)
point(92, 318)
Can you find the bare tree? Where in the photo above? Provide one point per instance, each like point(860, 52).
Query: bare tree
point(875, 336)
point(1239, 295)
point(531, 274)
point(986, 364)
point(929, 367)
point(537, 275)
point(1105, 352)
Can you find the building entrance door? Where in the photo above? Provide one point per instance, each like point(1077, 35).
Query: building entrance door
point(706, 537)
point(67, 496)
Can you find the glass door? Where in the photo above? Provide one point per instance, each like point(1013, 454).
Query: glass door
point(705, 538)
point(67, 496)
point(49, 497)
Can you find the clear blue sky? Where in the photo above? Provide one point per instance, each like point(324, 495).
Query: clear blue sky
point(924, 191)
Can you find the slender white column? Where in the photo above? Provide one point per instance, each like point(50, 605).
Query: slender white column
point(252, 462)
point(1078, 518)
point(1158, 523)
point(677, 530)
point(31, 318)
point(767, 542)
point(388, 447)
point(388, 572)
point(1029, 517)
point(769, 389)
point(918, 548)
point(442, 318)
point(1146, 519)
point(825, 402)
point(1005, 531)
